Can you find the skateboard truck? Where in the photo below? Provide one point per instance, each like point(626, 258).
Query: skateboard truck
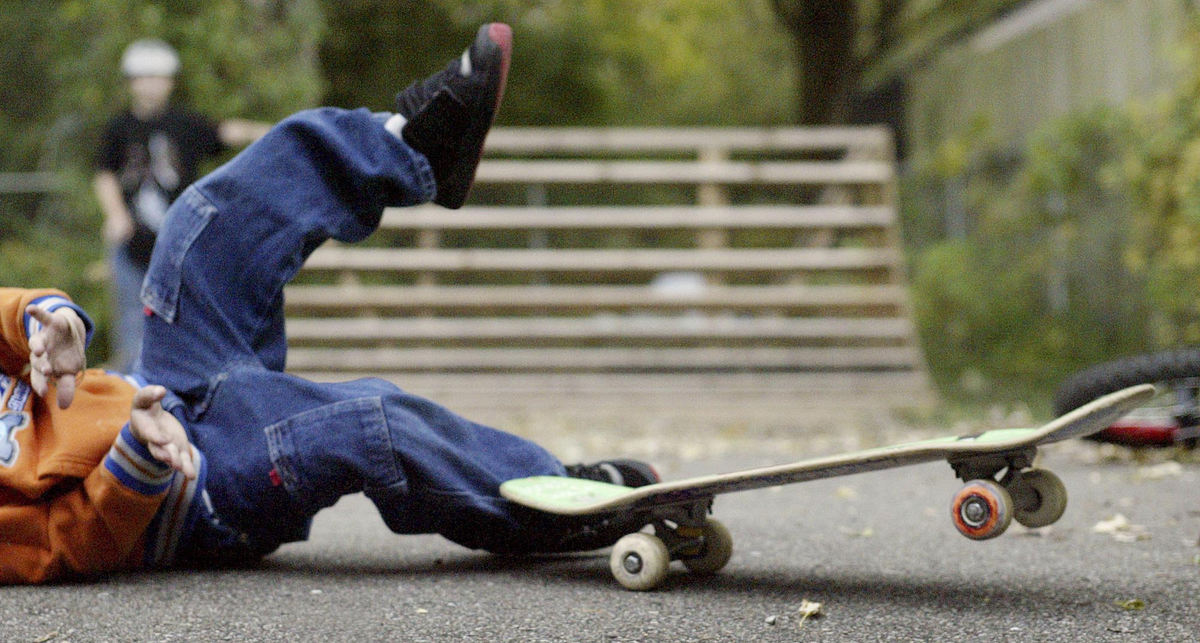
point(985, 507)
point(987, 466)
point(683, 532)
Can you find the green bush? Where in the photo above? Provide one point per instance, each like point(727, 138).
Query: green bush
point(1085, 247)
point(1036, 282)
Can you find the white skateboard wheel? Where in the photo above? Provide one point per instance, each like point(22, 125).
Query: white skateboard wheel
point(1039, 498)
point(639, 561)
point(714, 553)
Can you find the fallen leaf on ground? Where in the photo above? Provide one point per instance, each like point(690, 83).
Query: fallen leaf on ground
point(1121, 529)
point(808, 609)
point(1158, 471)
point(1131, 605)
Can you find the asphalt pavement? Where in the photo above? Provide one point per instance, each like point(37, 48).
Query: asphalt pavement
point(876, 551)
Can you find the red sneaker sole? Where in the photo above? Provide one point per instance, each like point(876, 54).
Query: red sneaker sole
point(501, 34)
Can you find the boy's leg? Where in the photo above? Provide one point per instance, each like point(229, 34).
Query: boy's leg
point(281, 448)
point(127, 309)
point(214, 290)
point(232, 240)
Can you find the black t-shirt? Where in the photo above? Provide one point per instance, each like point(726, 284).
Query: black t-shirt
point(154, 161)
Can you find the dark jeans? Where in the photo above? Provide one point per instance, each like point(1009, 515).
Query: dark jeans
point(280, 448)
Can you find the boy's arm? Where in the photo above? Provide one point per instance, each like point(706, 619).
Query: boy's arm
point(236, 132)
point(98, 525)
point(56, 350)
point(118, 222)
point(95, 527)
point(50, 345)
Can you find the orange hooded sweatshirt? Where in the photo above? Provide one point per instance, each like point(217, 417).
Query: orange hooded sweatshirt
point(77, 491)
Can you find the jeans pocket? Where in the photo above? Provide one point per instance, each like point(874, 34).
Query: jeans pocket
point(186, 219)
point(340, 448)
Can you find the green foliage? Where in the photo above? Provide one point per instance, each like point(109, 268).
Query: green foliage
point(1086, 249)
point(590, 62)
point(372, 48)
point(56, 250)
point(1037, 286)
point(24, 92)
point(61, 77)
point(1163, 172)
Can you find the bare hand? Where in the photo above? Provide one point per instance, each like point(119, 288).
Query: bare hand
point(56, 352)
point(162, 434)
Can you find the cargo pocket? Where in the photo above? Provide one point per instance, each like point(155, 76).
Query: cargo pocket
point(189, 216)
point(333, 450)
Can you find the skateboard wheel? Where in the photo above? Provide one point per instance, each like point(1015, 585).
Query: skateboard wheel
point(639, 561)
point(714, 553)
point(982, 509)
point(1039, 498)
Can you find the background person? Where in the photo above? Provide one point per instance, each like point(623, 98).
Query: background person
point(148, 154)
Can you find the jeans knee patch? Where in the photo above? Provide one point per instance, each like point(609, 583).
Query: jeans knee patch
point(186, 219)
point(327, 452)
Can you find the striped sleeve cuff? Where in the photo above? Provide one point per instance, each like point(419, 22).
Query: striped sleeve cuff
point(51, 303)
point(130, 461)
point(177, 515)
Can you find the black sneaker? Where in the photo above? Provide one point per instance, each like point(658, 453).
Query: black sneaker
point(449, 113)
point(629, 473)
point(547, 533)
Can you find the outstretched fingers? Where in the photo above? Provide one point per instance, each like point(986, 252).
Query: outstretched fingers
point(162, 434)
point(56, 352)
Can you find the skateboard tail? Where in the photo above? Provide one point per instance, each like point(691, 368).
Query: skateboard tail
point(1097, 415)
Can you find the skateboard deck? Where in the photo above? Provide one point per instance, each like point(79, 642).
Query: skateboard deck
point(982, 509)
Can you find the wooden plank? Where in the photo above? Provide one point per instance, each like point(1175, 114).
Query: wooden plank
point(686, 173)
point(336, 257)
point(584, 297)
point(685, 139)
point(640, 217)
point(607, 359)
point(612, 328)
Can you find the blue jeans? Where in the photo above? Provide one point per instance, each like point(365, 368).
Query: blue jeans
point(280, 448)
point(127, 308)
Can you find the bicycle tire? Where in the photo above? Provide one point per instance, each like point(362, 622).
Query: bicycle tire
point(1170, 369)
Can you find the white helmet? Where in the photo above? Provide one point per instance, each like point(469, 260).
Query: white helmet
point(149, 58)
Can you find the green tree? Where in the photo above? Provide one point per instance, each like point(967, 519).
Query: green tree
point(844, 49)
point(590, 62)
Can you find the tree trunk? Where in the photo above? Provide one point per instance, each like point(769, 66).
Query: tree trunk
point(827, 68)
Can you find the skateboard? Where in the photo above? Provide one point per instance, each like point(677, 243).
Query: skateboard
point(996, 466)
